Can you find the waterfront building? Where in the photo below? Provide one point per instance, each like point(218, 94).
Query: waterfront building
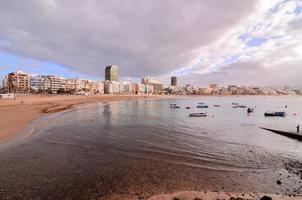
point(140, 88)
point(111, 73)
point(101, 87)
point(78, 85)
point(86, 86)
point(55, 84)
point(129, 88)
point(150, 80)
point(36, 83)
point(5, 85)
point(157, 86)
point(213, 86)
point(174, 81)
point(70, 85)
point(18, 82)
point(46, 84)
point(115, 87)
point(108, 88)
point(112, 87)
point(148, 89)
point(121, 88)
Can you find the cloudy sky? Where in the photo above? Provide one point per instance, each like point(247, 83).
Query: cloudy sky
point(201, 41)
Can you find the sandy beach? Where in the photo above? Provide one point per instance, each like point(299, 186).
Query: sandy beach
point(89, 158)
point(16, 114)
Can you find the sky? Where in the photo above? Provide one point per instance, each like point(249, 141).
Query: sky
point(250, 42)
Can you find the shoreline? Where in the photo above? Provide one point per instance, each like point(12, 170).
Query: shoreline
point(16, 115)
point(204, 195)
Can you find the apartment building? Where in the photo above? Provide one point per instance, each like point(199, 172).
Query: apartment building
point(36, 83)
point(18, 82)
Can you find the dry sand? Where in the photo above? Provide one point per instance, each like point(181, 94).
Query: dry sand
point(16, 114)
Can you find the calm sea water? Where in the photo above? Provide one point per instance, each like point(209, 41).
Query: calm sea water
point(146, 147)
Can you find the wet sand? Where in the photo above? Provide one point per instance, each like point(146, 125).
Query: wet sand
point(16, 114)
point(206, 195)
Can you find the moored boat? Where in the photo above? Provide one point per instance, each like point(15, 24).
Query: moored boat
point(250, 110)
point(216, 105)
point(202, 106)
point(274, 114)
point(174, 105)
point(241, 106)
point(197, 114)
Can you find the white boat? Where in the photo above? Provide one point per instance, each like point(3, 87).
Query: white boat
point(174, 105)
point(197, 114)
point(241, 106)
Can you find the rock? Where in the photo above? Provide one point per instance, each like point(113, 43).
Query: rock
point(266, 198)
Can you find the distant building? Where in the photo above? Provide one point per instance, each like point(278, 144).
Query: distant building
point(112, 87)
point(36, 83)
point(157, 86)
point(111, 73)
point(150, 80)
point(5, 85)
point(174, 81)
point(140, 88)
point(129, 88)
point(18, 82)
point(213, 86)
point(101, 87)
point(148, 89)
point(55, 84)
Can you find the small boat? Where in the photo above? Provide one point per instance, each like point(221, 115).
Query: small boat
point(274, 114)
point(197, 114)
point(250, 110)
point(235, 104)
point(215, 105)
point(174, 105)
point(241, 106)
point(188, 107)
point(201, 103)
point(202, 106)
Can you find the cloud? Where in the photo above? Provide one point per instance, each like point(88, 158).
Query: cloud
point(264, 49)
point(143, 37)
point(251, 73)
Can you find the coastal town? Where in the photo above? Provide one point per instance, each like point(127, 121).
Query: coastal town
point(20, 82)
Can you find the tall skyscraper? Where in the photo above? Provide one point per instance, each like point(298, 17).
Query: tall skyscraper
point(111, 73)
point(173, 81)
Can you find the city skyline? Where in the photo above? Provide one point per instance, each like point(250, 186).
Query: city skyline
point(249, 43)
point(20, 82)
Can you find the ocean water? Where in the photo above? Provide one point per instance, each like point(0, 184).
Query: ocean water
point(145, 147)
